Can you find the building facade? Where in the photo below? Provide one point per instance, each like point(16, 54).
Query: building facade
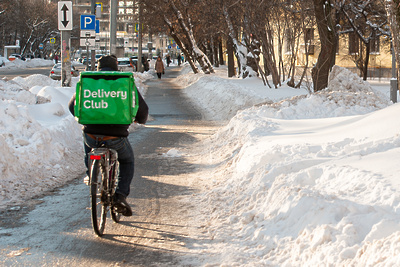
point(127, 29)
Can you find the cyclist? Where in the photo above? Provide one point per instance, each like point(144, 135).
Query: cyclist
point(114, 136)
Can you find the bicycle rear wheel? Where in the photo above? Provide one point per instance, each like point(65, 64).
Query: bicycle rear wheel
point(97, 194)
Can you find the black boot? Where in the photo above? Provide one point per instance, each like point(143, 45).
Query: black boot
point(121, 205)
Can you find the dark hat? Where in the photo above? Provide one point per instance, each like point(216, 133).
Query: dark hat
point(107, 62)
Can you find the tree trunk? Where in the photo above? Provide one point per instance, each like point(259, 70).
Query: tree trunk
point(326, 57)
point(269, 60)
point(221, 52)
point(231, 58)
point(240, 50)
point(215, 52)
point(366, 61)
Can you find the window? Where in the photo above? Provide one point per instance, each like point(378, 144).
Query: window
point(288, 41)
point(121, 11)
point(354, 43)
point(375, 44)
point(309, 36)
point(309, 39)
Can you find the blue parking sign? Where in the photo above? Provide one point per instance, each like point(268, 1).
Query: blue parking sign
point(88, 22)
point(97, 26)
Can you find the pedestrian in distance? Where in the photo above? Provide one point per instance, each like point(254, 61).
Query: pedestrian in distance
point(114, 136)
point(159, 67)
point(145, 63)
point(168, 58)
point(179, 60)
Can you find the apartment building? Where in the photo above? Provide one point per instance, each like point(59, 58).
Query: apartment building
point(347, 53)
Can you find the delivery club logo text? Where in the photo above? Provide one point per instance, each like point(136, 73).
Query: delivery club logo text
point(98, 98)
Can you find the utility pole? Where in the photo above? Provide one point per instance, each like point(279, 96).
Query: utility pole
point(113, 27)
point(139, 62)
point(393, 80)
point(93, 51)
point(65, 59)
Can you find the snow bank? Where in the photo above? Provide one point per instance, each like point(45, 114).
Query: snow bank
point(29, 63)
point(297, 184)
point(40, 142)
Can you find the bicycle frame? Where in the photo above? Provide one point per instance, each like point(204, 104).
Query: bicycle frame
point(107, 157)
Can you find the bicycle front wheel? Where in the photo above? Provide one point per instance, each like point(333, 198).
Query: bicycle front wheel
point(97, 194)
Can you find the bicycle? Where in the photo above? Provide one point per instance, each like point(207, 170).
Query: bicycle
point(103, 173)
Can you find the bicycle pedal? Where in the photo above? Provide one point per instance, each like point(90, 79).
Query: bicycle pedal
point(86, 180)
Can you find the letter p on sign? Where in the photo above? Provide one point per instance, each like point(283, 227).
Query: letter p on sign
point(88, 22)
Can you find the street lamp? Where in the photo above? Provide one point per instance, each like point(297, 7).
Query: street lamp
point(393, 80)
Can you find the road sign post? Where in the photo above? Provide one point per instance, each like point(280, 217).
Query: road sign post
point(65, 26)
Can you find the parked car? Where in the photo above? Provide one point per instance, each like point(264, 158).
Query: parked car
point(98, 56)
point(125, 65)
point(55, 72)
point(15, 56)
point(134, 60)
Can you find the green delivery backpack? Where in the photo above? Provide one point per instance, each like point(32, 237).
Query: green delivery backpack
point(106, 97)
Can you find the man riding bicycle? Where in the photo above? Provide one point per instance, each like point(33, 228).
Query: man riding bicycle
point(114, 136)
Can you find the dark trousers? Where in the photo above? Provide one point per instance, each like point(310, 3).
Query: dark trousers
point(125, 158)
point(159, 75)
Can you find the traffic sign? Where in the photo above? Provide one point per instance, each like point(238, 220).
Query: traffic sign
point(52, 40)
point(88, 38)
point(65, 15)
point(40, 46)
point(91, 42)
point(99, 9)
point(88, 34)
point(100, 4)
point(88, 22)
point(97, 26)
point(137, 27)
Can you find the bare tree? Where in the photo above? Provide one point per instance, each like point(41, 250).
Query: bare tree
point(187, 27)
point(177, 17)
point(181, 45)
point(367, 19)
point(239, 48)
point(31, 22)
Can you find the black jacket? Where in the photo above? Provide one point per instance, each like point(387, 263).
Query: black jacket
point(120, 130)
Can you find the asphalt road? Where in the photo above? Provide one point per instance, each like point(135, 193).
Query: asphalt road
point(56, 229)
